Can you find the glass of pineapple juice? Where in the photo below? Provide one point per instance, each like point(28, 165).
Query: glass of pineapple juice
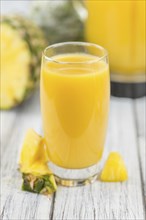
point(75, 94)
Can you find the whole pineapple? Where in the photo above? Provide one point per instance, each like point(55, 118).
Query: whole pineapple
point(59, 19)
point(21, 45)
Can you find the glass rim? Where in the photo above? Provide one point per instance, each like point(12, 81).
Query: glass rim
point(78, 43)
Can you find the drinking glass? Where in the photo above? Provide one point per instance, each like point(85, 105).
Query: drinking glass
point(75, 94)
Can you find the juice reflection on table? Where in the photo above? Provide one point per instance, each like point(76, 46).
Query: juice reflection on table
point(75, 103)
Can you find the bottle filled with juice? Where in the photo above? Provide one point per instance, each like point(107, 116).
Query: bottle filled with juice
point(119, 26)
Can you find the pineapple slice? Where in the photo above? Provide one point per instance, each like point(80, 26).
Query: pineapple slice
point(114, 169)
point(15, 61)
point(33, 150)
point(37, 177)
point(21, 46)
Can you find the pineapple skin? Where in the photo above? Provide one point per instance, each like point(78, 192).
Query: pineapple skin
point(36, 42)
point(41, 184)
point(59, 20)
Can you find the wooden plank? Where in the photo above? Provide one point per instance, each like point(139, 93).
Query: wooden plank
point(16, 204)
point(109, 200)
point(7, 122)
point(141, 132)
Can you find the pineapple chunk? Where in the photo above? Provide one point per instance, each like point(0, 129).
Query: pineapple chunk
point(33, 150)
point(114, 169)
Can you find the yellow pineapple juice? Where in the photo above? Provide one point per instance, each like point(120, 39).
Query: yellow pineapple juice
point(119, 26)
point(74, 103)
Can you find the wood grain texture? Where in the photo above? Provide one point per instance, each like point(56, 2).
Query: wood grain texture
point(99, 201)
point(109, 200)
point(16, 204)
point(6, 127)
point(140, 105)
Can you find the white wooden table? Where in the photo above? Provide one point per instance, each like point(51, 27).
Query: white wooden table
point(98, 201)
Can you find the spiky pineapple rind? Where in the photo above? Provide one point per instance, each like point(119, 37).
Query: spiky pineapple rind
point(59, 20)
point(41, 184)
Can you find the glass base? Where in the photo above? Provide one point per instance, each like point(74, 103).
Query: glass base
point(129, 90)
point(75, 177)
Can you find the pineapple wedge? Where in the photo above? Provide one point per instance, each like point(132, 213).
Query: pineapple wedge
point(114, 169)
point(36, 175)
point(33, 150)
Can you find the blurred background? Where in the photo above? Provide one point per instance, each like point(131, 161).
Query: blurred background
point(27, 27)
